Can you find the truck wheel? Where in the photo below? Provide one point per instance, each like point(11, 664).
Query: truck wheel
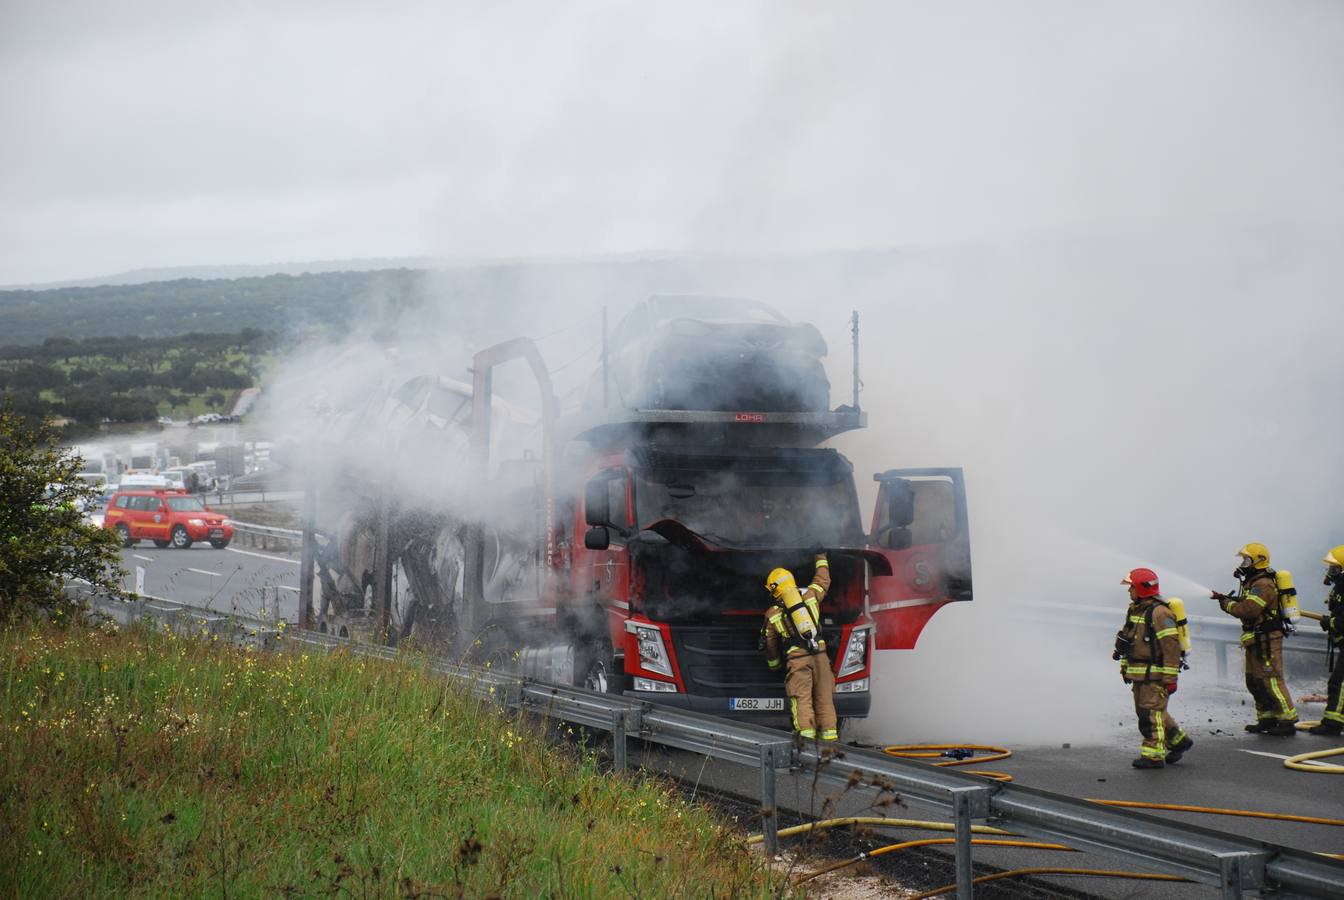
point(160, 544)
point(181, 540)
point(596, 668)
point(125, 534)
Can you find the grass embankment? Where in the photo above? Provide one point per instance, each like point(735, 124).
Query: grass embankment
point(145, 764)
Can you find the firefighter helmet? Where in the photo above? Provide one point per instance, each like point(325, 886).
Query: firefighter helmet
point(1257, 553)
point(1143, 580)
point(1335, 557)
point(779, 581)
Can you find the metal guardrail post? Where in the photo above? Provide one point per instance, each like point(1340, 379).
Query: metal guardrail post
point(967, 803)
point(769, 815)
point(1221, 650)
point(1236, 867)
point(618, 747)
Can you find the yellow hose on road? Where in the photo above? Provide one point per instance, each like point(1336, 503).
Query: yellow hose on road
point(1301, 762)
point(937, 751)
point(1216, 811)
point(1014, 873)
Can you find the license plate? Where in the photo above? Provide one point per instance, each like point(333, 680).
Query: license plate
point(216, 532)
point(756, 704)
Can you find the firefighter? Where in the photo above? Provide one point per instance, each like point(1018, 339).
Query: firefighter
point(1332, 720)
point(793, 623)
point(1258, 606)
point(1149, 650)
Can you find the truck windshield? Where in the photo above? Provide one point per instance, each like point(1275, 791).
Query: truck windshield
point(773, 509)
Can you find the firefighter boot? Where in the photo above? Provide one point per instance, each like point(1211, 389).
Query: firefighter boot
point(1258, 727)
point(1179, 749)
point(1144, 762)
point(1282, 728)
point(1326, 727)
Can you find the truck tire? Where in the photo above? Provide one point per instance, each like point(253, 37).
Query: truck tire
point(181, 540)
point(125, 534)
point(596, 667)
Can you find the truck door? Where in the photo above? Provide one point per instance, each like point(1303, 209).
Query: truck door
point(921, 527)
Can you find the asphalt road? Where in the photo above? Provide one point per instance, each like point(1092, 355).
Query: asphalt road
point(235, 579)
point(1227, 767)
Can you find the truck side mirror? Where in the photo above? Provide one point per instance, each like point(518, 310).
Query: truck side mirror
point(596, 506)
point(597, 538)
point(900, 503)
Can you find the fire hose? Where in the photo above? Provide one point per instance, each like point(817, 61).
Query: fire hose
point(963, 754)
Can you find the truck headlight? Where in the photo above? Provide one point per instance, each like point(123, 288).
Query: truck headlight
point(652, 652)
point(856, 652)
point(199, 523)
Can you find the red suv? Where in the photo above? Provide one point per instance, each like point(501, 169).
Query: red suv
point(166, 518)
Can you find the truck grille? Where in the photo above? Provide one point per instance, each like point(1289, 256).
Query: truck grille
point(722, 660)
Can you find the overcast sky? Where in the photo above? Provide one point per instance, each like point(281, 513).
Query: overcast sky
point(163, 133)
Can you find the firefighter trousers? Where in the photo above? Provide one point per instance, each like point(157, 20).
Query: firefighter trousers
point(1160, 731)
point(810, 684)
point(1334, 701)
point(1264, 679)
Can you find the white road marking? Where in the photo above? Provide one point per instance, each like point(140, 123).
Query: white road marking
point(285, 587)
point(292, 562)
point(145, 558)
point(203, 572)
point(1305, 762)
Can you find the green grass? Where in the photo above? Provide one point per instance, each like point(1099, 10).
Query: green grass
point(139, 763)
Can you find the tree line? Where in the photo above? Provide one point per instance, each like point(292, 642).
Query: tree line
point(130, 379)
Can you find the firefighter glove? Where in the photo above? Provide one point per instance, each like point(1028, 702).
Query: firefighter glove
point(1325, 623)
point(1171, 688)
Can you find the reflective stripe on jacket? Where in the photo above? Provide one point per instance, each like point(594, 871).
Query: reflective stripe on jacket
point(1256, 604)
point(1160, 658)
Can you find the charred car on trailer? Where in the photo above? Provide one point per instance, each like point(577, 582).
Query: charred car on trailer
point(712, 353)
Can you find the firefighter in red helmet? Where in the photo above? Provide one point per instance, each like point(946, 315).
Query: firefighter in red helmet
point(793, 624)
point(1149, 650)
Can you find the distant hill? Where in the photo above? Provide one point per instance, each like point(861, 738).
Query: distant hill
point(485, 301)
point(275, 303)
point(229, 272)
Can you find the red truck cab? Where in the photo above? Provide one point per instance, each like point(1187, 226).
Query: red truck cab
point(671, 550)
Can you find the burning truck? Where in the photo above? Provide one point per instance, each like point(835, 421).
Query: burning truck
point(628, 553)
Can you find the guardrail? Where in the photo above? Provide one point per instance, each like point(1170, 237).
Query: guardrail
point(1227, 861)
point(267, 537)
point(1222, 631)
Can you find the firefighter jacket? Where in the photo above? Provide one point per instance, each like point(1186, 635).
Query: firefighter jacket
point(1257, 606)
point(779, 629)
point(1152, 647)
point(1333, 623)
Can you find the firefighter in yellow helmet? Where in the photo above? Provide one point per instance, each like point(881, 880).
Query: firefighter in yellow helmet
point(793, 629)
point(1332, 720)
point(1149, 650)
point(1258, 605)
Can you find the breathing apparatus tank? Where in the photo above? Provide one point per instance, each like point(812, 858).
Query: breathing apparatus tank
point(1177, 607)
point(1288, 607)
point(784, 589)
